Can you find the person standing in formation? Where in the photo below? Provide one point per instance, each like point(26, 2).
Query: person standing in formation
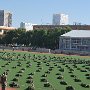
point(3, 80)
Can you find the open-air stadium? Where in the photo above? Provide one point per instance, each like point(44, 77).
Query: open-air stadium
point(42, 71)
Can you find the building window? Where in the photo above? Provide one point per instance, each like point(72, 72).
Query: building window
point(0, 30)
point(73, 47)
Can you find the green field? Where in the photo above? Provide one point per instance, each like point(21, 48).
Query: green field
point(36, 69)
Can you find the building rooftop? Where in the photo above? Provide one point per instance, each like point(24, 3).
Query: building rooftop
point(7, 28)
point(77, 33)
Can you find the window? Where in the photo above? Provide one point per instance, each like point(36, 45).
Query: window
point(0, 30)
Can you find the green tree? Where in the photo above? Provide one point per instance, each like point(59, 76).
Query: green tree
point(38, 38)
point(35, 38)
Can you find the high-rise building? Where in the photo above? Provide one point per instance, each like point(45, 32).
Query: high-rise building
point(60, 19)
point(5, 18)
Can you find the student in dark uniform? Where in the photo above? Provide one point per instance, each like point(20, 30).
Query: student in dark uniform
point(3, 81)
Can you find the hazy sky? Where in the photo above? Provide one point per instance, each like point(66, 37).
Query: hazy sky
point(41, 11)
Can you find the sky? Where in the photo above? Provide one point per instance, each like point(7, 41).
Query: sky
point(41, 11)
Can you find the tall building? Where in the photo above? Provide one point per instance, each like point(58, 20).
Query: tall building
point(27, 26)
point(5, 18)
point(60, 19)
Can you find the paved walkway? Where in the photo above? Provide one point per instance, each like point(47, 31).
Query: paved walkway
point(8, 88)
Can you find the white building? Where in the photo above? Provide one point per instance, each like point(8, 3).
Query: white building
point(77, 40)
point(27, 26)
point(60, 19)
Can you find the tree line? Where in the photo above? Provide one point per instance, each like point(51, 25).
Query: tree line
point(35, 38)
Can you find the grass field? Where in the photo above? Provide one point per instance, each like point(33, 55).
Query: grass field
point(45, 71)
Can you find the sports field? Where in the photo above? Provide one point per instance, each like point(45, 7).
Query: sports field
point(36, 71)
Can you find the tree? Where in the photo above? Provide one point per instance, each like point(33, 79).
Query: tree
point(12, 36)
point(36, 38)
